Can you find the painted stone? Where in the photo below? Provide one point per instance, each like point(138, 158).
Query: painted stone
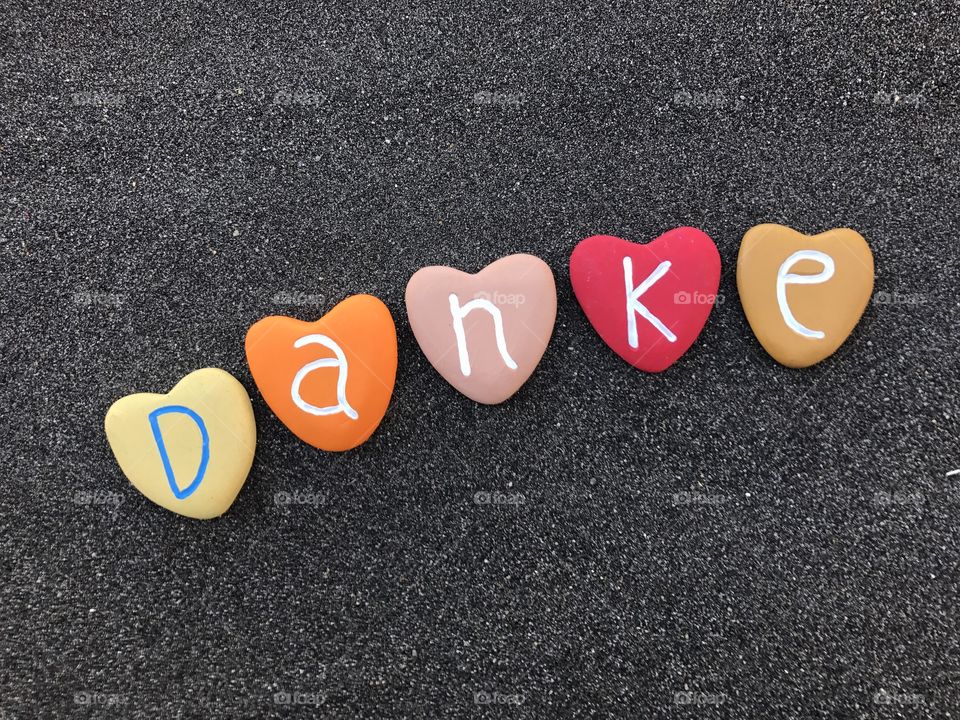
point(189, 451)
point(329, 381)
point(485, 333)
point(803, 294)
point(648, 302)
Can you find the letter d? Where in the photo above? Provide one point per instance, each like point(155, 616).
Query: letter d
point(165, 457)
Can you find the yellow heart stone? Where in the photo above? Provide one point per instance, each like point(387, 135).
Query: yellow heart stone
point(803, 294)
point(189, 451)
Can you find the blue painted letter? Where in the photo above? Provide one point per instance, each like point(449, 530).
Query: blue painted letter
point(161, 446)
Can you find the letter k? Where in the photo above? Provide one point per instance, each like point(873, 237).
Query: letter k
point(635, 307)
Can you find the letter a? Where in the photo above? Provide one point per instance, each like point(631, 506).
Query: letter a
point(634, 306)
point(459, 313)
point(339, 362)
point(785, 277)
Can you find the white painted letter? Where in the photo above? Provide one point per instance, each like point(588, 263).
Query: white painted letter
point(784, 278)
point(459, 313)
point(634, 305)
point(340, 362)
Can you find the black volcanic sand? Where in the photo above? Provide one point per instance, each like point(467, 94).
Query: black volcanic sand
point(730, 538)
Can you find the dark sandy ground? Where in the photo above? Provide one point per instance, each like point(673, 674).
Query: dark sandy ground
point(728, 539)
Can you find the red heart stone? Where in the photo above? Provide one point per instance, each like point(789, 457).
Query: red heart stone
point(648, 302)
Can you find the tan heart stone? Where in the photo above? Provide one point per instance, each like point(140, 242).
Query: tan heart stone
point(484, 333)
point(190, 450)
point(803, 294)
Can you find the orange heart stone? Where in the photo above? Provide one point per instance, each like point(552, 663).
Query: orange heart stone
point(330, 380)
point(803, 294)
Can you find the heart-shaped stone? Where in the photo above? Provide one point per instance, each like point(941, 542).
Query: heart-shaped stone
point(803, 294)
point(329, 381)
point(484, 333)
point(648, 302)
point(189, 451)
